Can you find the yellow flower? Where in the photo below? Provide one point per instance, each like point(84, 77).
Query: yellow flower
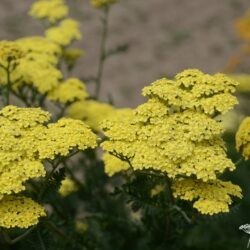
point(65, 33)
point(243, 138)
point(67, 187)
point(113, 165)
point(19, 211)
point(42, 77)
point(192, 89)
point(209, 197)
point(63, 136)
point(71, 55)
point(175, 131)
point(14, 175)
point(25, 141)
point(36, 47)
point(38, 54)
point(91, 112)
point(69, 91)
point(102, 3)
point(51, 10)
point(9, 51)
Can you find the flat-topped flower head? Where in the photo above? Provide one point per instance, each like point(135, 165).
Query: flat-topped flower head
point(51, 10)
point(25, 117)
point(64, 34)
point(169, 133)
point(192, 89)
point(69, 91)
point(38, 45)
point(26, 139)
point(19, 211)
point(39, 54)
point(63, 136)
point(209, 197)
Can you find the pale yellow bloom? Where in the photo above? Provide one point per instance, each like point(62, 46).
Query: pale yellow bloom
point(209, 197)
point(51, 10)
point(67, 187)
point(38, 54)
point(65, 33)
point(69, 91)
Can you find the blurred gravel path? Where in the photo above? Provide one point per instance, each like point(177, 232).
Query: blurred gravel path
point(164, 37)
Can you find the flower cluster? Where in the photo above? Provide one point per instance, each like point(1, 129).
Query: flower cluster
point(25, 142)
point(42, 55)
point(38, 54)
point(69, 91)
point(102, 3)
point(19, 211)
point(175, 131)
point(51, 10)
point(65, 33)
point(243, 138)
point(210, 197)
point(42, 58)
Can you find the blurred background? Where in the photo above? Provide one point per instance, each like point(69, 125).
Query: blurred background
point(163, 38)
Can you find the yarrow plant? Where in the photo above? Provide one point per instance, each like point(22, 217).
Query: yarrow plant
point(79, 173)
point(175, 133)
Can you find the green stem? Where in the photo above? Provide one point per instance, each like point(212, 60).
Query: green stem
point(44, 189)
point(171, 197)
point(43, 247)
point(102, 53)
point(182, 213)
point(57, 231)
point(22, 98)
point(237, 163)
point(18, 238)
